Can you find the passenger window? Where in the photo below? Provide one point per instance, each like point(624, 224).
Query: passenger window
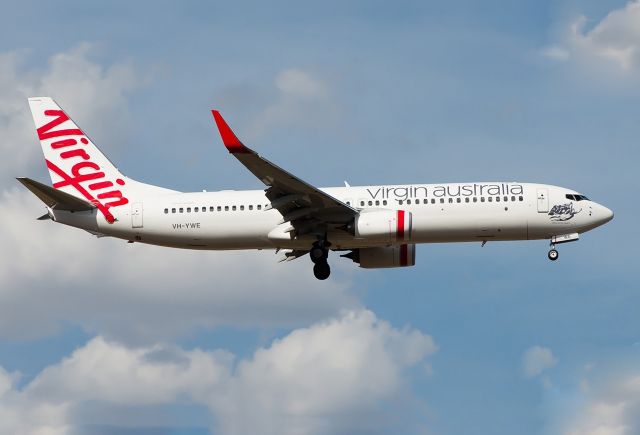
point(450, 200)
point(489, 199)
point(251, 207)
point(425, 201)
point(226, 208)
point(166, 210)
point(362, 203)
point(195, 209)
point(520, 198)
point(433, 200)
point(400, 201)
point(233, 208)
point(377, 202)
point(458, 200)
point(173, 210)
point(384, 202)
point(348, 202)
point(497, 199)
point(441, 200)
point(409, 201)
point(513, 198)
point(219, 208)
point(482, 199)
point(475, 199)
point(466, 199)
point(259, 206)
point(506, 198)
point(211, 208)
point(181, 210)
point(188, 209)
point(370, 203)
point(242, 207)
point(204, 209)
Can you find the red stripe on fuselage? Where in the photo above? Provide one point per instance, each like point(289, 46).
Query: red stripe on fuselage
point(400, 225)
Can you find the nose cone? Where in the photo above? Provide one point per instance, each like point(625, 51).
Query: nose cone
point(604, 215)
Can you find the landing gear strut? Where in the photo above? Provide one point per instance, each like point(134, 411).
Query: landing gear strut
point(556, 240)
point(319, 254)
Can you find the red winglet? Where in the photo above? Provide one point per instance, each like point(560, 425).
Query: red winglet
point(229, 138)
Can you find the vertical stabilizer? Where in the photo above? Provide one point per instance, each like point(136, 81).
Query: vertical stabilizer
point(75, 164)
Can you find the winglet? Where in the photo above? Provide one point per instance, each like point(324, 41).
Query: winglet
point(229, 138)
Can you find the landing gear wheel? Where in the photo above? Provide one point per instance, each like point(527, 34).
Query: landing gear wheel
point(318, 254)
point(553, 255)
point(321, 270)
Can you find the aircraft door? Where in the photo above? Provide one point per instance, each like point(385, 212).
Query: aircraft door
point(136, 215)
point(543, 201)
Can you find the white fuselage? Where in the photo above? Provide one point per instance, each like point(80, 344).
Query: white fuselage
point(457, 212)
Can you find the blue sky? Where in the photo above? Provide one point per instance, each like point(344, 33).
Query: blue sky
point(491, 340)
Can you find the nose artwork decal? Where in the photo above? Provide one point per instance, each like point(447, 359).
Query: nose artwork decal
point(563, 212)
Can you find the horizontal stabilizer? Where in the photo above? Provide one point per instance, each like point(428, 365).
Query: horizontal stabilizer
point(54, 198)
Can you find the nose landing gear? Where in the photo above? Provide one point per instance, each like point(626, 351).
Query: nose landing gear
point(319, 254)
point(556, 240)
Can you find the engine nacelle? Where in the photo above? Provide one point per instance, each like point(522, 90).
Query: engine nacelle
point(384, 225)
point(384, 257)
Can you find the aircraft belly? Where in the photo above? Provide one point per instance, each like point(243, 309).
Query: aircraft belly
point(198, 232)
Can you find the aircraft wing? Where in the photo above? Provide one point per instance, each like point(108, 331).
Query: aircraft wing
point(308, 208)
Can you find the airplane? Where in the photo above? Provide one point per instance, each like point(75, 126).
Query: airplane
point(374, 226)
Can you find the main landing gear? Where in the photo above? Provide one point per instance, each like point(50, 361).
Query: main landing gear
point(319, 254)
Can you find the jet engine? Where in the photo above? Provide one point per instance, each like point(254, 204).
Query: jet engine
point(383, 225)
point(384, 257)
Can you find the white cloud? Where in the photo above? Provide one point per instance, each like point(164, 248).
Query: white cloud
point(556, 52)
point(108, 372)
point(302, 100)
point(610, 408)
point(300, 84)
point(328, 378)
point(322, 379)
point(111, 372)
point(611, 46)
point(537, 359)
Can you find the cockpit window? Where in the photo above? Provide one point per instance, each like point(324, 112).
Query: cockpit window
point(573, 197)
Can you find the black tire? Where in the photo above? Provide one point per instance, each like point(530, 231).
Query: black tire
point(321, 270)
point(317, 254)
point(553, 255)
